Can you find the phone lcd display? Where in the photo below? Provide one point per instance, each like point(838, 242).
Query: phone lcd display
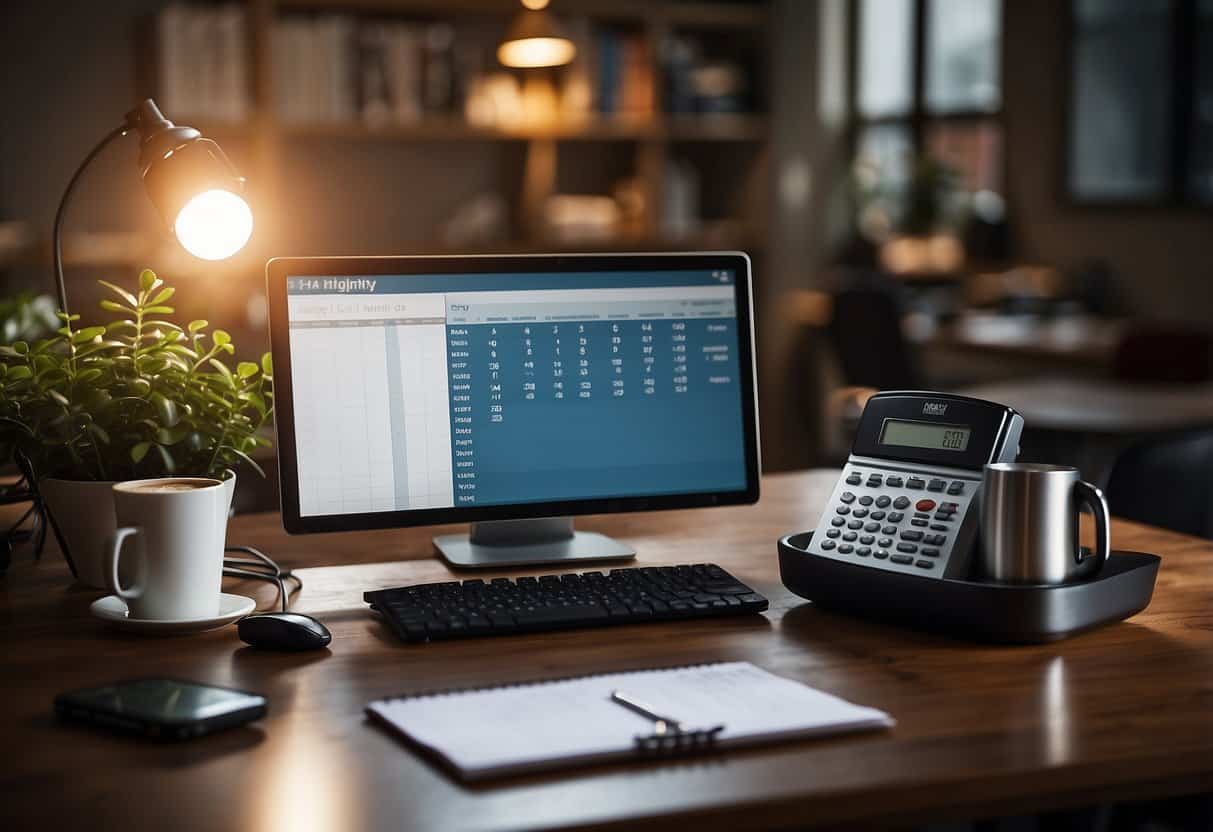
point(909, 434)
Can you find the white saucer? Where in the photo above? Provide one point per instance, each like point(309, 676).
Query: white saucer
point(113, 609)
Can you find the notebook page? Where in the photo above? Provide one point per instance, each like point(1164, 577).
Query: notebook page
point(514, 729)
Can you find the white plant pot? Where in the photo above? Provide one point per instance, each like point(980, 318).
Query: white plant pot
point(84, 514)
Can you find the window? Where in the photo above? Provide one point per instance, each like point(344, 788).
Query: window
point(1141, 102)
point(927, 88)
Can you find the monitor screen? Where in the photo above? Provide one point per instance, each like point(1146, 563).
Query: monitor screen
point(416, 392)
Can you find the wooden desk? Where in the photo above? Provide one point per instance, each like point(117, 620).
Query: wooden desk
point(1115, 714)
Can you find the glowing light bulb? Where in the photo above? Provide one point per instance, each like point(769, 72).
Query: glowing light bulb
point(536, 52)
point(214, 225)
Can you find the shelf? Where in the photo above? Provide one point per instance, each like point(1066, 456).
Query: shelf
point(696, 14)
point(724, 128)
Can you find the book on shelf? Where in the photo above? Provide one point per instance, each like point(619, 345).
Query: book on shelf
point(202, 65)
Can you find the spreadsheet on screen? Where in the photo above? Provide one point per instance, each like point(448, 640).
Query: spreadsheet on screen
point(433, 391)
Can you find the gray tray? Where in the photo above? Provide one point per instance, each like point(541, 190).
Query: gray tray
point(972, 610)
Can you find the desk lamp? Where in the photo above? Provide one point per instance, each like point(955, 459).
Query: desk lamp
point(189, 179)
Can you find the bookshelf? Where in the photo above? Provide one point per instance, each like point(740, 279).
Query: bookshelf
point(655, 142)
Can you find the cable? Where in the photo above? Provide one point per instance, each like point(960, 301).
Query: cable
point(261, 568)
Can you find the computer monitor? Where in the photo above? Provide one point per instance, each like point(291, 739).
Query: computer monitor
point(511, 393)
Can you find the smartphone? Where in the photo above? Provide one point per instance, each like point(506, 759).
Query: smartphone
point(169, 709)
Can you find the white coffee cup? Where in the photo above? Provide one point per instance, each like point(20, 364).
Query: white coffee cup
point(179, 525)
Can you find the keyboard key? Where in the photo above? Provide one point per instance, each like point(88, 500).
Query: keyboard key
point(854, 479)
point(901, 503)
point(847, 497)
point(837, 521)
point(931, 553)
point(850, 537)
point(896, 516)
point(909, 548)
point(956, 487)
point(915, 483)
point(855, 525)
point(845, 549)
point(919, 522)
point(877, 515)
point(936, 485)
point(833, 533)
point(888, 530)
point(863, 551)
point(843, 509)
point(893, 481)
point(940, 527)
point(925, 564)
point(871, 527)
point(901, 559)
point(866, 500)
point(827, 545)
point(880, 554)
point(867, 539)
point(859, 512)
point(884, 542)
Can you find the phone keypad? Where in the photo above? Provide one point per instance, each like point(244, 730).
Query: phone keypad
point(907, 522)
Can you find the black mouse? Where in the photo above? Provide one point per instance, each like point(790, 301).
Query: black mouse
point(283, 631)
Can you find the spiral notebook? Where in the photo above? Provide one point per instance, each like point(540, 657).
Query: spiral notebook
point(493, 732)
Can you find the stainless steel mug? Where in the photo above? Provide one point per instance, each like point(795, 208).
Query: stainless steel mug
point(1029, 524)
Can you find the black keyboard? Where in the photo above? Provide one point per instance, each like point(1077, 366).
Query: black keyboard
point(429, 612)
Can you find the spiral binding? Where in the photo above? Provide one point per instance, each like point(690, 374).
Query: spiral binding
point(530, 683)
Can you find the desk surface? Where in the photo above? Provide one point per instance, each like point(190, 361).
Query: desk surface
point(1103, 406)
point(1114, 714)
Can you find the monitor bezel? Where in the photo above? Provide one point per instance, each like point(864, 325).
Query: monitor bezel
point(280, 268)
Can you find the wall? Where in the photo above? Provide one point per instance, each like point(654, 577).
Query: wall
point(1165, 256)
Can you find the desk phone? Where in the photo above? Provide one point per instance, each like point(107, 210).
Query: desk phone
point(908, 499)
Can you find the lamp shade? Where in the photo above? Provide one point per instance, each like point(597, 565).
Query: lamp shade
point(535, 39)
point(193, 185)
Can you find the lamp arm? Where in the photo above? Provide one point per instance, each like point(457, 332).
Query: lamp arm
point(57, 238)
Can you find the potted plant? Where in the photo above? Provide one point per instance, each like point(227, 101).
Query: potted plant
point(138, 397)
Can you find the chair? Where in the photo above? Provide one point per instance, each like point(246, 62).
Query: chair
point(1166, 482)
point(866, 331)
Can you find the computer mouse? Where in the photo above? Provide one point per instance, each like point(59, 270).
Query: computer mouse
point(283, 631)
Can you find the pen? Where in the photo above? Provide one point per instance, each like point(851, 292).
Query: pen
point(661, 724)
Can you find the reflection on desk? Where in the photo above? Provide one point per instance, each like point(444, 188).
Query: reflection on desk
point(981, 730)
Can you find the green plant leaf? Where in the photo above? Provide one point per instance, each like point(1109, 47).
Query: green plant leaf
point(267, 364)
point(22, 348)
point(220, 338)
point(111, 306)
point(20, 372)
point(246, 369)
point(139, 451)
point(170, 465)
point(89, 375)
point(158, 310)
point(224, 372)
point(195, 326)
point(242, 455)
point(166, 408)
point(147, 279)
point(87, 334)
point(120, 292)
point(163, 295)
point(58, 398)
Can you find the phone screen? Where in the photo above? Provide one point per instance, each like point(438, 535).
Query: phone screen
point(164, 700)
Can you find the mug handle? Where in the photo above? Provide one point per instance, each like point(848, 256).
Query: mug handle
point(1090, 496)
point(113, 555)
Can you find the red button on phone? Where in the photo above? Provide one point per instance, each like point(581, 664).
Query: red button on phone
point(925, 505)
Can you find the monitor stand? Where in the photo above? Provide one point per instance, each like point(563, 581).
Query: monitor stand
point(526, 542)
